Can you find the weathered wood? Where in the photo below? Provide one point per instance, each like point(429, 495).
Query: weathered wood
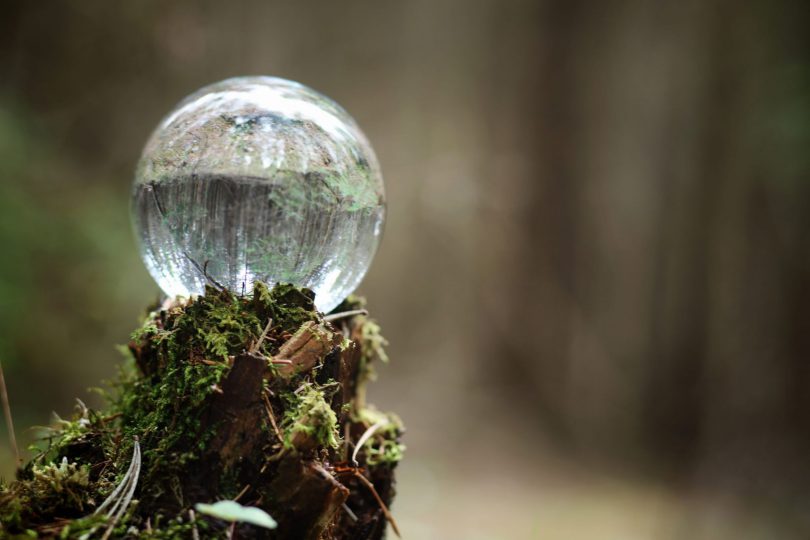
point(307, 499)
point(237, 412)
point(308, 346)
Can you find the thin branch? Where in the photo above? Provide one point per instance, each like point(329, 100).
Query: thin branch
point(281, 361)
point(195, 535)
point(344, 314)
point(242, 493)
point(384, 508)
point(323, 472)
point(348, 511)
point(262, 337)
point(347, 430)
point(272, 417)
point(209, 277)
point(163, 214)
point(9, 422)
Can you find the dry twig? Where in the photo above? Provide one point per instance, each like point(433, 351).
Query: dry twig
point(262, 337)
point(242, 493)
point(384, 508)
point(272, 417)
point(344, 314)
point(9, 422)
point(195, 534)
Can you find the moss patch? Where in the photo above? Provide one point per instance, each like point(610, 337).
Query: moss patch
point(309, 421)
point(174, 397)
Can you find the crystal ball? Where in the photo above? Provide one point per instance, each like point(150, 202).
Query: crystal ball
point(258, 178)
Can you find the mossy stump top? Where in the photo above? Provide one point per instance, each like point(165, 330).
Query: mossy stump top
point(257, 399)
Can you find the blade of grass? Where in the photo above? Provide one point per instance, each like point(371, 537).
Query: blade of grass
point(9, 421)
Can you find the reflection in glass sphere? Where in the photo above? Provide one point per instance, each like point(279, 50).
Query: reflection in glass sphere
point(258, 178)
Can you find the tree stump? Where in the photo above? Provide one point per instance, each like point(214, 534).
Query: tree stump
point(257, 399)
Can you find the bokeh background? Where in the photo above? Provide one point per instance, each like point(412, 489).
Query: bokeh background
point(595, 275)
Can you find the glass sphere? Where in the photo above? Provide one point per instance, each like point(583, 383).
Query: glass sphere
point(258, 178)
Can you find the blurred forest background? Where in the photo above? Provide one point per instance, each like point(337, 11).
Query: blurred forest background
point(595, 275)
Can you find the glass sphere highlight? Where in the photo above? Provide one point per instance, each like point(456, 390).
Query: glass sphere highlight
point(258, 178)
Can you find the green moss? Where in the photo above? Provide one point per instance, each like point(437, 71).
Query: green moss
point(61, 487)
point(385, 451)
point(83, 527)
point(192, 346)
point(372, 348)
point(309, 420)
point(66, 479)
point(176, 363)
point(384, 446)
point(372, 342)
point(288, 306)
point(180, 527)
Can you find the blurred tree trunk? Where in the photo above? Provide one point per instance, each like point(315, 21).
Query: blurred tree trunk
point(656, 266)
